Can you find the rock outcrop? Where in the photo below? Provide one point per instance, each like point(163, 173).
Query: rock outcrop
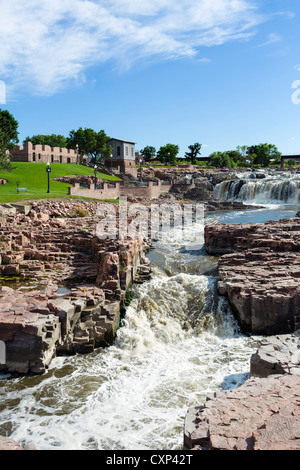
point(259, 273)
point(69, 283)
point(262, 414)
point(277, 355)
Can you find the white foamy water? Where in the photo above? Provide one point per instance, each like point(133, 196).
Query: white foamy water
point(178, 343)
point(278, 189)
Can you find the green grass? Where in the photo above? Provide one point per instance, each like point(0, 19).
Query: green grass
point(33, 176)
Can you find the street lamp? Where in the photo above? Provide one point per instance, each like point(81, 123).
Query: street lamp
point(95, 173)
point(77, 159)
point(111, 159)
point(141, 170)
point(48, 170)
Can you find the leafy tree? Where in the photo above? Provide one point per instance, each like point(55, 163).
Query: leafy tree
point(221, 160)
point(168, 153)
point(53, 140)
point(291, 162)
point(242, 149)
point(90, 142)
point(148, 153)
point(8, 137)
point(194, 151)
point(262, 154)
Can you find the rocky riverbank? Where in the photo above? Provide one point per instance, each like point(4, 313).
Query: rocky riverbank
point(62, 286)
point(259, 273)
point(193, 183)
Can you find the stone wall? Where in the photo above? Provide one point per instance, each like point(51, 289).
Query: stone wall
point(105, 190)
point(44, 154)
point(150, 189)
point(114, 189)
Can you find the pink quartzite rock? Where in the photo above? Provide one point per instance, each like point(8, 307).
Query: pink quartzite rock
point(262, 414)
point(259, 272)
point(9, 444)
point(56, 244)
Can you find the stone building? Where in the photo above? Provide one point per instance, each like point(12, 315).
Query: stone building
point(44, 154)
point(123, 157)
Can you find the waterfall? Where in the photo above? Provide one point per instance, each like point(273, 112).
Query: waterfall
point(269, 190)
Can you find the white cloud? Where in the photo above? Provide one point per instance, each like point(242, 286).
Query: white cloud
point(272, 38)
point(45, 44)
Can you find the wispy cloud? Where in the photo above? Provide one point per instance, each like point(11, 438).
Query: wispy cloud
point(272, 38)
point(46, 44)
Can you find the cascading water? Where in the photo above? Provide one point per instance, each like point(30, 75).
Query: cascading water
point(279, 189)
point(178, 343)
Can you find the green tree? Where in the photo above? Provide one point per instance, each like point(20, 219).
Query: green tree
point(8, 137)
point(168, 153)
point(291, 162)
point(90, 142)
point(262, 154)
point(235, 156)
point(194, 151)
point(221, 160)
point(148, 153)
point(54, 140)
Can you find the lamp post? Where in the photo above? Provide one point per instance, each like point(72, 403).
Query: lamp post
point(77, 159)
point(111, 159)
point(48, 170)
point(141, 170)
point(95, 173)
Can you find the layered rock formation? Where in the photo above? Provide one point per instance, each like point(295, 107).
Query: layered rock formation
point(277, 355)
point(71, 283)
point(262, 414)
point(260, 273)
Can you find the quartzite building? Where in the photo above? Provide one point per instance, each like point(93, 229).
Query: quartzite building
point(122, 158)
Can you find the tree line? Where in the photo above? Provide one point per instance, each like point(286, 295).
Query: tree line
point(261, 155)
point(95, 145)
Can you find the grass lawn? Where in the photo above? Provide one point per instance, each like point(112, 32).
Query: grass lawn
point(33, 176)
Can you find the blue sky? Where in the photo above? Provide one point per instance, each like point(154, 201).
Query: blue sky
point(155, 71)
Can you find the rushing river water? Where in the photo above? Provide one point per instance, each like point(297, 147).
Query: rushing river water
point(262, 188)
point(178, 342)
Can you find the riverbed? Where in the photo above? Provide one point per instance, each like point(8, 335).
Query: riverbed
point(178, 342)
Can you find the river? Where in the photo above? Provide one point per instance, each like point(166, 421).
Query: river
point(178, 342)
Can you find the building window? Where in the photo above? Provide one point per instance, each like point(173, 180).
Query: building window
point(132, 151)
point(126, 151)
point(118, 151)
